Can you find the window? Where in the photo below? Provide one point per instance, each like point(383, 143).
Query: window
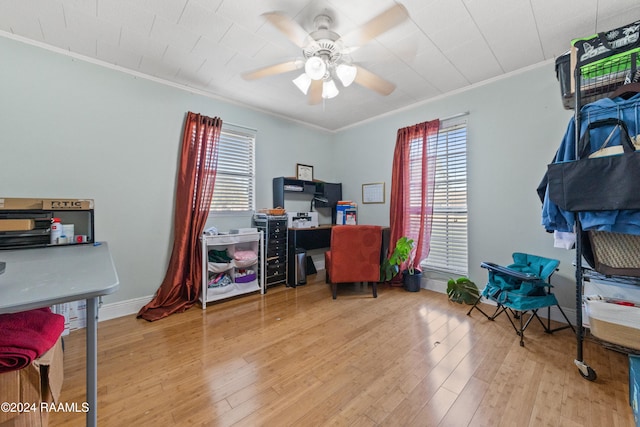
point(234, 190)
point(448, 246)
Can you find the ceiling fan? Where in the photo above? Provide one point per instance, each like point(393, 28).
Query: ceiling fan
point(327, 54)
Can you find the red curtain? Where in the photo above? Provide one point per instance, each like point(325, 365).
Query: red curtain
point(412, 179)
point(182, 283)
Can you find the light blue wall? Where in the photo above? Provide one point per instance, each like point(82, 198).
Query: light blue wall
point(78, 130)
point(75, 129)
point(515, 125)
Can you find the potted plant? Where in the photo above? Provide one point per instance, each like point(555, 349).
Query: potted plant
point(412, 276)
point(390, 267)
point(462, 290)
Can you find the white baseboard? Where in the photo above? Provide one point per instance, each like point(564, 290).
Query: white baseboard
point(434, 285)
point(122, 308)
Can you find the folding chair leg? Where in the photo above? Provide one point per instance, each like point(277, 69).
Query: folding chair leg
point(565, 318)
point(475, 306)
point(523, 325)
point(534, 314)
point(547, 327)
point(490, 317)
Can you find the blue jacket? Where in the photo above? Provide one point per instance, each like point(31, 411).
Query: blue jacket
point(621, 221)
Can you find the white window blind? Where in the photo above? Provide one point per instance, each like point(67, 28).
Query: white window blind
point(234, 190)
point(448, 247)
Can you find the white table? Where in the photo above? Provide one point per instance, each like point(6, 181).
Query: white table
point(41, 277)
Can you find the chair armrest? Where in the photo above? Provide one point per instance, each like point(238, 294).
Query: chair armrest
point(525, 277)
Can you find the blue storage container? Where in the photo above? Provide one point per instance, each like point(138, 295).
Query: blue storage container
point(634, 386)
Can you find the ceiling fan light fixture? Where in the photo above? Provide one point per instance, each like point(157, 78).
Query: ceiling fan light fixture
point(315, 67)
point(303, 81)
point(329, 89)
point(346, 73)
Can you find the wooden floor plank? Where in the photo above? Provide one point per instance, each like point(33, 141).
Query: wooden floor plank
point(295, 356)
point(465, 405)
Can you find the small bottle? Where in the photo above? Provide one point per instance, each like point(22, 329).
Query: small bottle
point(56, 230)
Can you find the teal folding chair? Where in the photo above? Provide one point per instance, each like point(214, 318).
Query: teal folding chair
point(522, 288)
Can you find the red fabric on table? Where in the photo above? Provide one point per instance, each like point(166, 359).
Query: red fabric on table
point(27, 335)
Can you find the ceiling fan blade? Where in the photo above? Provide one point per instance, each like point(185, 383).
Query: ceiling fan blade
point(388, 19)
point(315, 92)
point(374, 82)
point(272, 70)
point(288, 27)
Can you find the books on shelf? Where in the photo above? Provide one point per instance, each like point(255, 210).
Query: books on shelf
point(346, 213)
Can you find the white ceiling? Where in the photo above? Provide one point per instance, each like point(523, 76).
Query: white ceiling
point(446, 45)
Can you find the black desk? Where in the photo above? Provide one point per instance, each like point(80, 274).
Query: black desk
point(306, 238)
point(318, 238)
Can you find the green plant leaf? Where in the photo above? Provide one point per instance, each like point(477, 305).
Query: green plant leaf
point(462, 290)
point(391, 267)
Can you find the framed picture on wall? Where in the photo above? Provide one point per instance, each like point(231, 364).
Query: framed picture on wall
point(304, 172)
point(373, 193)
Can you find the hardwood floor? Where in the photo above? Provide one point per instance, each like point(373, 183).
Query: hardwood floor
point(297, 357)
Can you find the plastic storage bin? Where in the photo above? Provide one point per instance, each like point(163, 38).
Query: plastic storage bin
point(563, 74)
point(614, 323)
point(634, 386)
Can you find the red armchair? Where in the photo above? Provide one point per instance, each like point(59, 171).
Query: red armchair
point(354, 256)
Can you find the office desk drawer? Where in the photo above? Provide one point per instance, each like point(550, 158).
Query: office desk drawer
point(277, 232)
point(276, 261)
point(279, 251)
point(280, 278)
point(281, 223)
point(275, 269)
point(277, 241)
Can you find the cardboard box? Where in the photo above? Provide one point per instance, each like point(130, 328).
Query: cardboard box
point(74, 313)
point(77, 315)
point(39, 382)
point(17, 224)
point(15, 203)
point(67, 204)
